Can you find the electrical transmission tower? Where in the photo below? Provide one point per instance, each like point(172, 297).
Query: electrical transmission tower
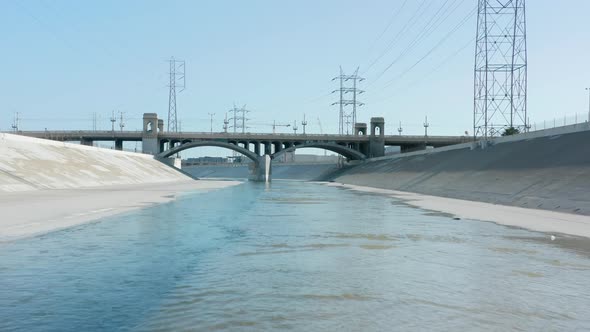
point(225, 123)
point(239, 118)
point(16, 122)
point(500, 98)
point(177, 80)
point(345, 127)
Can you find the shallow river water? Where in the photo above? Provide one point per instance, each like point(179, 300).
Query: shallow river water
point(292, 256)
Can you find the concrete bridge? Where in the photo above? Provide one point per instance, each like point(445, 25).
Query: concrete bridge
point(367, 142)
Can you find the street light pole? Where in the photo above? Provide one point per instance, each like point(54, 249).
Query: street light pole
point(211, 115)
point(113, 120)
point(426, 125)
point(304, 123)
point(588, 89)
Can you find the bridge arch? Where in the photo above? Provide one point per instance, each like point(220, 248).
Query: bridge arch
point(340, 149)
point(189, 145)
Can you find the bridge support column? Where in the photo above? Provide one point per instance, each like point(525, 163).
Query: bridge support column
point(119, 144)
point(268, 148)
point(86, 141)
point(261, 171)
point(257, 148)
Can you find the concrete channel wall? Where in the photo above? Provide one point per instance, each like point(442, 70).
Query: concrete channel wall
point(34, 164)
point(546, 170)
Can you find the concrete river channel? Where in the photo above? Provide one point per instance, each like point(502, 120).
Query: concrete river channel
point(292, 256)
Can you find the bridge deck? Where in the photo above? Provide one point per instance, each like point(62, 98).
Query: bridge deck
point(390, 140)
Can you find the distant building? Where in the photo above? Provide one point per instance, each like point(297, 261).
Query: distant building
point(389, 150)
point(205, 161)
point(291, 157)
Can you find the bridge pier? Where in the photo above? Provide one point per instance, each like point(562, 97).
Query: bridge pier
point(119, 144)
point(267, 148)
point(86, 141)
point(257, 148)
point(261, 171)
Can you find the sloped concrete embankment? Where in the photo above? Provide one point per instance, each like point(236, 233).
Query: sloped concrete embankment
point(32, 164)
point(549, 172)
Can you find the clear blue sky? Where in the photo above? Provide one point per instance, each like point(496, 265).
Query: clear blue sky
point(63, 60)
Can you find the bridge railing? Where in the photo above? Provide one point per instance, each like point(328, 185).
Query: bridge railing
point(187, 135)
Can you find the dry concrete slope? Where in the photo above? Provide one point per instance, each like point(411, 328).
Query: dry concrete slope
point(33, 164)
point(550, 172)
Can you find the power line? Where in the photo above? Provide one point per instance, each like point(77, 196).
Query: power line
point(411, 21)
point(434, 23)
point(441, 15)
point(436, 46)
point(435, 69)
point(389, 24)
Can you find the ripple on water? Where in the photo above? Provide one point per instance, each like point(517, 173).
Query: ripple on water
point(529, 274)
point(371, 237)
point(339, 297)
point(376, 246)
point(514, 251)
point(283, 259)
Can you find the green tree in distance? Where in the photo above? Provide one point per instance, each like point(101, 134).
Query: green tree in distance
point(510, 131)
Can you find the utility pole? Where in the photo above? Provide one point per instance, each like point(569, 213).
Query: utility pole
point(211, 115)
point(121, 124)
point(528, 124)
point(177, 80)
point(113, 120)
point(500, 87)
point(400, 129)
point(321, 133)
point(16, 122)
point(295, 127)
point(344, 103)
point(426, 125)
point(303, 123)
point(588, 89)
point(225, 123)
point(243, 120)
point(94, 121)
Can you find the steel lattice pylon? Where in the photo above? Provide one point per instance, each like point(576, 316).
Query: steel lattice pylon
point(345, 126)
point(500, 68)
point(177, 80)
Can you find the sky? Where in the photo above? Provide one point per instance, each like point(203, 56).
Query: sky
point(62, 61)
